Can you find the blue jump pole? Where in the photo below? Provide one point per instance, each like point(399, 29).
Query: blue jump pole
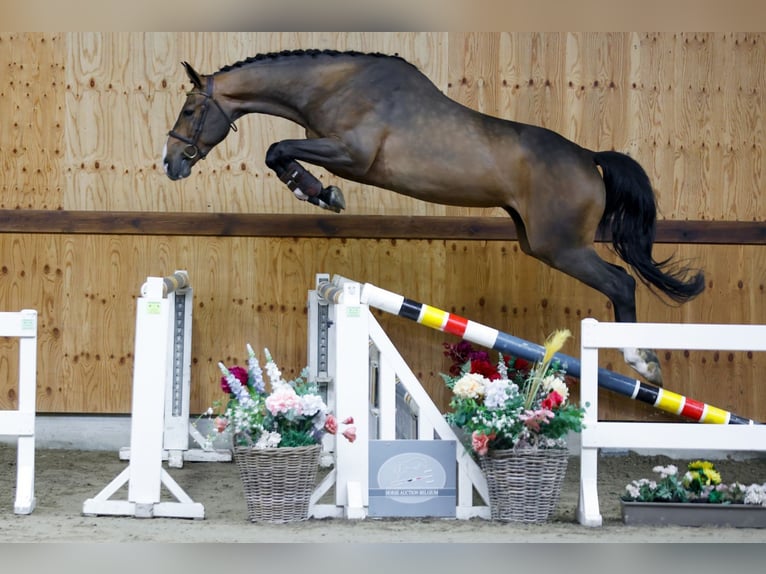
point(508, 344)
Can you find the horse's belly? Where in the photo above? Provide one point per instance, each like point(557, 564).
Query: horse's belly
point(438, 182)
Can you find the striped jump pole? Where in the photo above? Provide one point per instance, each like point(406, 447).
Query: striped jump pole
point(485, 336)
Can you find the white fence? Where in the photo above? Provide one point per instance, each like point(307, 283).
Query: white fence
point(655, 436)
point(21, 422)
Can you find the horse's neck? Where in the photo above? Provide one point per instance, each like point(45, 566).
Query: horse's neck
point(273, 89)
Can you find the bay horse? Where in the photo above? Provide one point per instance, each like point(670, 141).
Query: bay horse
point(376, 119)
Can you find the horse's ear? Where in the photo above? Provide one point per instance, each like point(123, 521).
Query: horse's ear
point(193, 75)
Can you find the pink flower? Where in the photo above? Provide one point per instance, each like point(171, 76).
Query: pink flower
point(349, 421)
point(330, 424)
point(533, 418)
point(480, 442)
point(284, 400)
point(350, 433)
point(220, 424)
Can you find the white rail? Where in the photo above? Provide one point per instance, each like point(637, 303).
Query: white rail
point(21, 421)
point(655, 436)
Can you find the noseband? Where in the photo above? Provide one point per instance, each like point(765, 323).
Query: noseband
point(192, 150)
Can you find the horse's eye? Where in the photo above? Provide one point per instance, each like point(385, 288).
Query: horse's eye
point(188, 113)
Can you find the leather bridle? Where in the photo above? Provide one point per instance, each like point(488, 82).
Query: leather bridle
point(192, 150)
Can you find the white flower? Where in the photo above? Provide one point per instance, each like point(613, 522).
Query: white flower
point(666, 471)
point(756, 494)
point(632, 490)
point(556, 383)
point(497, 392)
point(470, 386)
point(311, 405)
point(275, 375)
point(268, 440)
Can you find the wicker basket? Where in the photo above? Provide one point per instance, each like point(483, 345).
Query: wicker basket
point(278, 482)
point(524, 485)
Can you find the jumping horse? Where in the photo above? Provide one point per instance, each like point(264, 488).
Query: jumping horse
point(376, 119)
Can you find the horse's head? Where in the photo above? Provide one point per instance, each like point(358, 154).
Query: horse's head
point(201, 125)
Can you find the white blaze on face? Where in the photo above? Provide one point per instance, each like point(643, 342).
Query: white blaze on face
point(165, 157)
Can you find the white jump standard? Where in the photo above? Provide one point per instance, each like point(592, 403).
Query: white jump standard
point(178, 427)
point(341, 355)
point(145, 475)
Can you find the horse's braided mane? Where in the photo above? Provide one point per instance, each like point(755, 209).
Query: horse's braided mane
point(305, 53)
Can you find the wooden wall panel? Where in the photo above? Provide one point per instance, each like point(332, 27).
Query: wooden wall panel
point(85, 116)
point(31, 129)
point(254, 290)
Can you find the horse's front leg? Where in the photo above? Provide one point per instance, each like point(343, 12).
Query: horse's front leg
point(281, 157)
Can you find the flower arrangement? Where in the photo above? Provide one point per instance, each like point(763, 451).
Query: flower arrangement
point(511, 404)
point(701, 484)
point(289, 414)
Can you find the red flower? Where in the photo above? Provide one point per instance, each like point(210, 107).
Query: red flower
point(552, 401)
point(460, 353)
point(521, 364)
point(349, 421)
point(240, 373)
point(331, 424)
point(484, 368)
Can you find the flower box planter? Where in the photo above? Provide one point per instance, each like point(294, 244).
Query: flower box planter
point(693, 514)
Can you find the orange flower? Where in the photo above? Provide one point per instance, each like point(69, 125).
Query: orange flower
point(480, 443)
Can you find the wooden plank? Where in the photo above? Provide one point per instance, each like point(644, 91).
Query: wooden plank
point(347, 226)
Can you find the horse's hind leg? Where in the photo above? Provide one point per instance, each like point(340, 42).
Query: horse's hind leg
point(613, 281)
point(583, 263)
point(301, 182)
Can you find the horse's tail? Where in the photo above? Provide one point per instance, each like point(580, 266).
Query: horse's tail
point(631, 216)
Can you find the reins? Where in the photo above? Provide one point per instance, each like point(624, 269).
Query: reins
point(192, 150)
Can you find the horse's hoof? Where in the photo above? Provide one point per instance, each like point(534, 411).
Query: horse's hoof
point(334, 199)
point(654, 373)
point(646, 362)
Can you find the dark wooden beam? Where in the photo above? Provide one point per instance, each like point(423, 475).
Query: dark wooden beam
point(330, 226)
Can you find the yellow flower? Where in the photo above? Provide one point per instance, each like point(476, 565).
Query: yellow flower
point(701, 464)
point(713, 475)
point(555, 342)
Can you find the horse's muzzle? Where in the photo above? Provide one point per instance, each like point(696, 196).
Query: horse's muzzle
point(178, 169)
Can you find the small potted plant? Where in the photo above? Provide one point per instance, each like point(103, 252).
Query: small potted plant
point(696, 498)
